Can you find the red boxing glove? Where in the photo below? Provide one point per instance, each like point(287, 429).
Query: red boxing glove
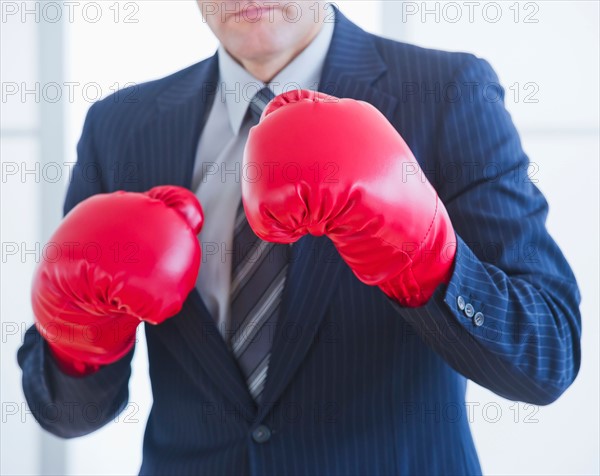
point(116, 259)
point(337, 167)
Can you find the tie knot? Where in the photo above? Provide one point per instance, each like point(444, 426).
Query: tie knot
point(259, 102)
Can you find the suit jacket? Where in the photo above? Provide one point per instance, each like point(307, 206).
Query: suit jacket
point(356, 384)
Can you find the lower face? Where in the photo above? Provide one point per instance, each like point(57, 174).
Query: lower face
point(252, 30)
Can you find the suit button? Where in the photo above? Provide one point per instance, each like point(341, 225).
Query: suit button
point(478, 319)
point(262, 434)
point(460, 302)
point(469, 310)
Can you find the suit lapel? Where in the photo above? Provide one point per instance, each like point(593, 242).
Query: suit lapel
point(352, 66)
point(311, 279)
point(197, 328)
point(167, 147)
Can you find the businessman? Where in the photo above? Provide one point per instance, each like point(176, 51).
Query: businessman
point(347, 352)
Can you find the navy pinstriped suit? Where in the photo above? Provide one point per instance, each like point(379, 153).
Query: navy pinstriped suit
point(357, 385)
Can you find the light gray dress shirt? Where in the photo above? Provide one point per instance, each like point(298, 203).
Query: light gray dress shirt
point(218, 170)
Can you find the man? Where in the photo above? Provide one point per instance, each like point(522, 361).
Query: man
point(354, 381)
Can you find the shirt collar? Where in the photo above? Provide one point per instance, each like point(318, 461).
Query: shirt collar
point(237, 86)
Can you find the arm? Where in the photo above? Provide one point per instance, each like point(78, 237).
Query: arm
point(525, 343)
point(69, 406)
point(62, 404)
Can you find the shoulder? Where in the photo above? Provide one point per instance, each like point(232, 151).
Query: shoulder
point(138, 102)
point(419, 64)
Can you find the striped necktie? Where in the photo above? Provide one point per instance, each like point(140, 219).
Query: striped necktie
point(258, 277)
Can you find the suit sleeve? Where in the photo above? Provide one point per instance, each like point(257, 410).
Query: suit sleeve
point(63, 405)
point(509, 318)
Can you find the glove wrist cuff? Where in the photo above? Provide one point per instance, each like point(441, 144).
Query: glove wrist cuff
point(69, 365)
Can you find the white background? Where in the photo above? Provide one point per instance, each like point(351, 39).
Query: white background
point(548, 49)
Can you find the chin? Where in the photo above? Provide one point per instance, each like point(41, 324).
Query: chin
point(257, 44)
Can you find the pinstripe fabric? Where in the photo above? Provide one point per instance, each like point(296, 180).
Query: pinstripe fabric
point(357, 385)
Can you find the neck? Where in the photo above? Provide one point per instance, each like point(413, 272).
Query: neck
point(266, 68)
